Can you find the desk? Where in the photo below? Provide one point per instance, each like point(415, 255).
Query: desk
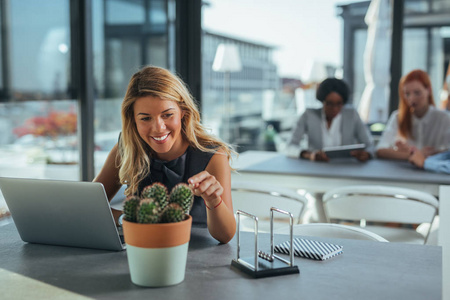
point(319, 177)
point(366, 270)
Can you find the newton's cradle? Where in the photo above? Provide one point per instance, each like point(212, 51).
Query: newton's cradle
point(265, 264)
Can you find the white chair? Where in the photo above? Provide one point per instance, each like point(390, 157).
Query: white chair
point(332, 231)
point(377, 205)
point(257, 199)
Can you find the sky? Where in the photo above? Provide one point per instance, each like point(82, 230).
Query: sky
point(303, 31)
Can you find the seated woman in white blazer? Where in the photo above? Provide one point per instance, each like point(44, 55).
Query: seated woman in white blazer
point(332, 125)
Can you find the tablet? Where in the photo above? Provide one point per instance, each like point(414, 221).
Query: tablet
point(342, 151)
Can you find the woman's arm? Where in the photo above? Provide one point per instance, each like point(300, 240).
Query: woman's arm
point(388, 147)
point(299, 130)
point(393, 153)
point(109, 177)
point(214, 186)
point(401, 150)
point(294, 149)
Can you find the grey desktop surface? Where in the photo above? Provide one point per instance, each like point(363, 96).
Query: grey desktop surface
point(366, 270)
point(374, 169)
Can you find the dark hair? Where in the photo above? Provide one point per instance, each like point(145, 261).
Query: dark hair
point(330, 85)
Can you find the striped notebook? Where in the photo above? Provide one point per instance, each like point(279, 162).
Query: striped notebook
point(310, 249)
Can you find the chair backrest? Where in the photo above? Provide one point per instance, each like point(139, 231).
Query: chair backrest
point(380, 204)
point(332, 231)
point(256, 198)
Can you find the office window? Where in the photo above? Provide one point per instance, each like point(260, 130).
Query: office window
point(2, 38)
point(440, 5)
point(38, 114)
point(38, 109)
point(426, 43)
point(283, 57)
point(426, 6)
point(414, 41)
point(359, 82)
point(416, 6)
point(124, 12)
point(126, 36)
point(427, 49)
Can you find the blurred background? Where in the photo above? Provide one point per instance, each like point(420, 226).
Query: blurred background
point(252, 66)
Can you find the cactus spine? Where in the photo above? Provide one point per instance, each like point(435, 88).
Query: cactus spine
point(130, 208)
point(158, 192)
point(148, 211)
point(155, 205)
point(172, 213)
point(183, 195)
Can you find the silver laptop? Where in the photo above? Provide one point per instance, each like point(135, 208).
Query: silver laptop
point(66, 213)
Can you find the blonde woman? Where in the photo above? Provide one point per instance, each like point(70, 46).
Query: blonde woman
point(162, 140)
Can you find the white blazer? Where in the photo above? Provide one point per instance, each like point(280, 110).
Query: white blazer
point(353, 130)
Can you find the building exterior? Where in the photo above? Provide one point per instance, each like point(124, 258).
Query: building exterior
point(258, 80)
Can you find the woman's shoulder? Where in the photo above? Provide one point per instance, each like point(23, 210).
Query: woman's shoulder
point(349, 110)
point(198, 159)
point(202, 154)
point(218, 151)
point(392, 121)
point(311, 113)
point(219, 162)
point(350, 114)
point(437, 113)
point(394, 114)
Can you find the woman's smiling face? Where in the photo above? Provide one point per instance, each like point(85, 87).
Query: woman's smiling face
point(158, 123)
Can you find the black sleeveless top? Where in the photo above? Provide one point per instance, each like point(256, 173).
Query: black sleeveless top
point(170, 173)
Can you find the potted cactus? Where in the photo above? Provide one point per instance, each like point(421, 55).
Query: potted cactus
point(157, 231)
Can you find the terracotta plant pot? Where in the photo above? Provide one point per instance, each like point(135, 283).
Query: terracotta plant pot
point(157, 253)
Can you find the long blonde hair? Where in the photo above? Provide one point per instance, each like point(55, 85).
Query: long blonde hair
point(134, 153)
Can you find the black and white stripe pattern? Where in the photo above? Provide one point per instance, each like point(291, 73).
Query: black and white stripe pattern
point(310, 249)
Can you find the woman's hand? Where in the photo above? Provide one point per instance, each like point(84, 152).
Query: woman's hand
point(417, 158)
point(319, 156)
point(315, 155)
point(402, 146)
point(400, 151)
point(360, 155)
point(428, 151)
point(214, 186)
point(208, 187)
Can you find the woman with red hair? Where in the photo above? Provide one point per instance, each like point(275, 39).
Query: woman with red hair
point(445, 103)
point(417, 124)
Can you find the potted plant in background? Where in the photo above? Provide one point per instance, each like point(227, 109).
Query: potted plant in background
point(58, 130)
point(157, 231)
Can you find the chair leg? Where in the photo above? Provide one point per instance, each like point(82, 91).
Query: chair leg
point(318, 215)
